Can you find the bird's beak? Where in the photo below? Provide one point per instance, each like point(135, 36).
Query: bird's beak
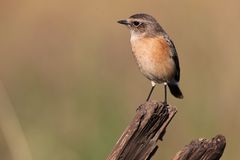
point(125, 22)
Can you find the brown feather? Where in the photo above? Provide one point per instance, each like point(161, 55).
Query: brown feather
point(153, 58)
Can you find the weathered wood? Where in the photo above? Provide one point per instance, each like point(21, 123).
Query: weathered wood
point(203, 149)
point(139, 140)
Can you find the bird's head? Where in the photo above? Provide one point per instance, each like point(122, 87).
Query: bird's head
point(142, 25)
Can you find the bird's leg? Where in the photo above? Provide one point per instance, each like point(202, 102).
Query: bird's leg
point(153, 86)
point(165, 93)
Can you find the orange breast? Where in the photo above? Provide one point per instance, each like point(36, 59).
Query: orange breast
point(153, 58)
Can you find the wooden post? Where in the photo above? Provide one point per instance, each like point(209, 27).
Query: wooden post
point(203, 149)
point(139, 140)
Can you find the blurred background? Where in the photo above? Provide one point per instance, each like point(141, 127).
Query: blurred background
point(70, 86)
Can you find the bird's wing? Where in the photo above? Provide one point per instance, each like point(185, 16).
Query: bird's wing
point(174, 56)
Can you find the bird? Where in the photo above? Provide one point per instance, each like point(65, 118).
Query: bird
point(154, 52)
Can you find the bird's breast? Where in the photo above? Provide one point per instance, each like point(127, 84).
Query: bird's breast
point(153, 58)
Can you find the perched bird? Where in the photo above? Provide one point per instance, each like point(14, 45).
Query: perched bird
point(154, 52)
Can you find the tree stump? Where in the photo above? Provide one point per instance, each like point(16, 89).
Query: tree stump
point(139, 140)
point(203, 149)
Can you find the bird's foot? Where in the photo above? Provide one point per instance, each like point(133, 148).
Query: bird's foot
point(165, 103)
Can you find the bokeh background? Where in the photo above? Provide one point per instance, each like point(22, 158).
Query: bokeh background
point(69, 84)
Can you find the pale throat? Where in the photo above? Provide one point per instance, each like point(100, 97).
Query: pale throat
point(136, 36)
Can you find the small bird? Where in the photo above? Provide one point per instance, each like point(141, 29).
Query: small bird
point(154, 53)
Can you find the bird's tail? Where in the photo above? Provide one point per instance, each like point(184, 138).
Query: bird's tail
point(175, 90)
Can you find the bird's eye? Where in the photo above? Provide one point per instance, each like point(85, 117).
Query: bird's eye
point(136, 23)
